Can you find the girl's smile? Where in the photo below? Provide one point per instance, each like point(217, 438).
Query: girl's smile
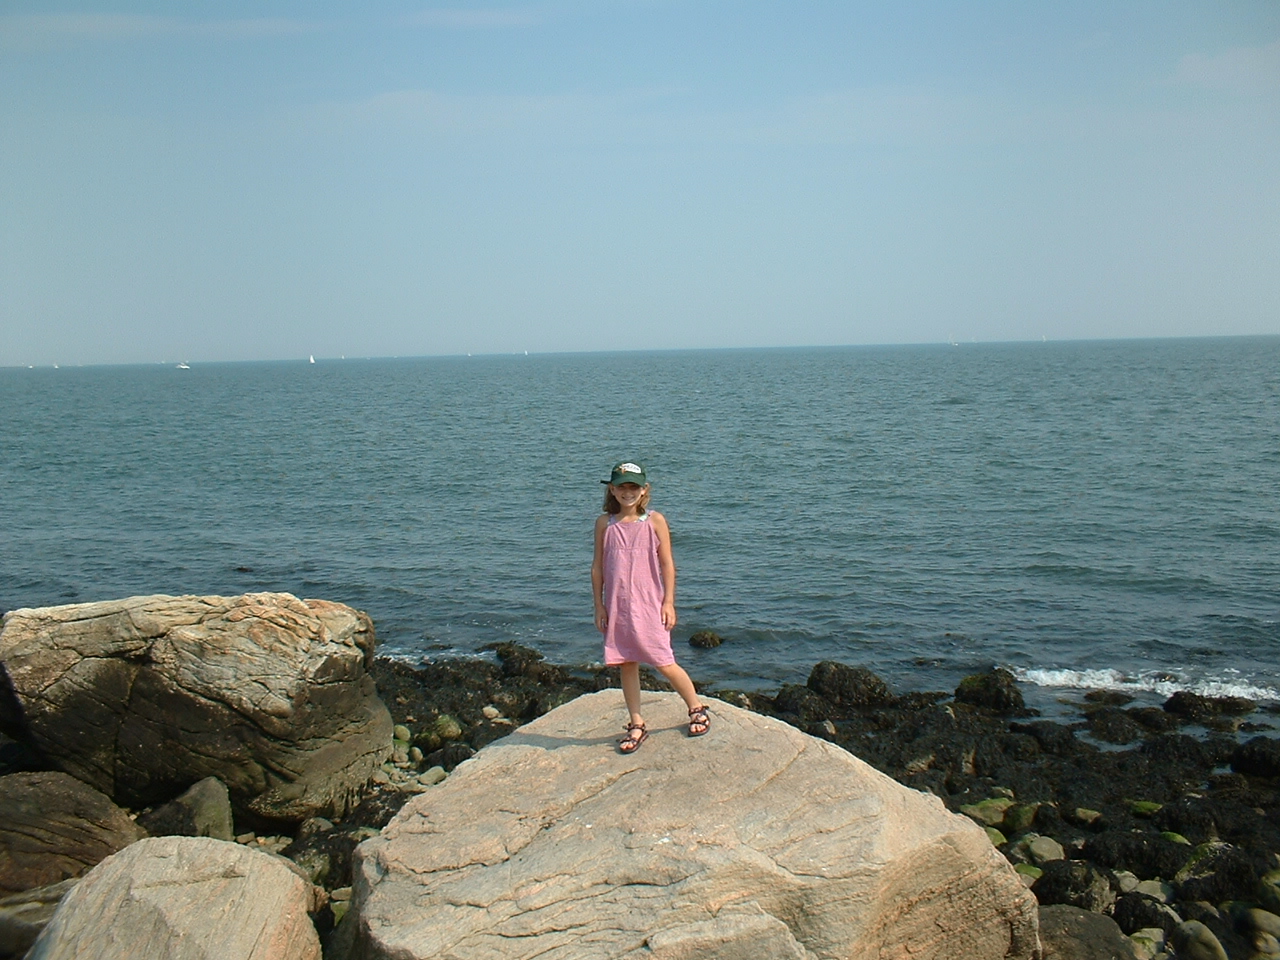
point(627, 494)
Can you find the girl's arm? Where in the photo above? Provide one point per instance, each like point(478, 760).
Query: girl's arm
point(597, 574)
point(667, 566)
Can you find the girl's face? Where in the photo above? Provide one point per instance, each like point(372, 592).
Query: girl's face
point(627, 494)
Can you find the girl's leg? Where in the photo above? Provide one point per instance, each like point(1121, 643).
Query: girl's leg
point(683, 685)
point(631, 690)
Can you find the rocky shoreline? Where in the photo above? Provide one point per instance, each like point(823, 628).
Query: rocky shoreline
point(1173, 835)
point(1165, 841)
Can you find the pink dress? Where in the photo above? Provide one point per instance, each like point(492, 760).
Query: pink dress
point(633, 595)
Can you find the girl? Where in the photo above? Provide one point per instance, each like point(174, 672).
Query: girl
point(633, 578)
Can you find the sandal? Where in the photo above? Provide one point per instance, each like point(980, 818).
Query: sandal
point(698, 718)
point(631, 743)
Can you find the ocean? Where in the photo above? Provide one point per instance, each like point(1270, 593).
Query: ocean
point(1086, 514)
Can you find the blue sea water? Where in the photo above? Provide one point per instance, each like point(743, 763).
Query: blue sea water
point(1085, 513)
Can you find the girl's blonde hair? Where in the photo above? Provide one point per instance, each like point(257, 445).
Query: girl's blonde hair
point(611, 504)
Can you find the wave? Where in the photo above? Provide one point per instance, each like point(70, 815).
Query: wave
point(1158, 683)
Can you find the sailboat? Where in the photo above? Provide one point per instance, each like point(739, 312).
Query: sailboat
point(311, 358)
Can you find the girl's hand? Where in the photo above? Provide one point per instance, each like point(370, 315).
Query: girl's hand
point(668, 615)
point(602, 620)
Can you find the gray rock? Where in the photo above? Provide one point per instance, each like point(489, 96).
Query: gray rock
point(184, 898)
point(203, 811)
point(1194, 941)
point(1070, 933)
point(24, 915)
point(143, 697)
point(756, 841)
point(53, 827)
point(1043, 849)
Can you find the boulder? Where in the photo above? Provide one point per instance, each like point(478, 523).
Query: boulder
point(184, 897)
point(53, 827)
point(143, 697)
point(756, 841)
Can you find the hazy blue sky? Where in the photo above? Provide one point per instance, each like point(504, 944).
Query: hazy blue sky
point(269, 180)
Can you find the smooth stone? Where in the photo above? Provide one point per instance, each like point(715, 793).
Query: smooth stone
point(431, 776)
point(1192, 940)
point(1043, 849)
point(1126, 881)
point(990, 812)
point(401, 732)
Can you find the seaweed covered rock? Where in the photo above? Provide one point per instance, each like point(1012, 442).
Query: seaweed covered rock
point(996, 690)
point(1259, 757)
point(1076, 883)
point(143, 697)
point(855, 687)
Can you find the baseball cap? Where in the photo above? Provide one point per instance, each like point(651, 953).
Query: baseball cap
point(626, 472)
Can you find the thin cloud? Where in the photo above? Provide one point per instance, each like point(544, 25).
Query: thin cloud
point(42, 30)
point(1247, 70)
point(462, 19)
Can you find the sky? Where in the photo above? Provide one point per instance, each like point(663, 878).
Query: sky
point(220, 181)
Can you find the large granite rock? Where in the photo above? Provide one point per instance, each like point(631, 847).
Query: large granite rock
point(755, 842)
point(143, 697)
point(53, 827)
point(184, 898)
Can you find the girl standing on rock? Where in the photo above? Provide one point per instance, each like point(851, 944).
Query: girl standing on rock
point(633, 579)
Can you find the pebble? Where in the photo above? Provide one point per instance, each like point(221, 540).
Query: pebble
point(342, 893)
point(491, 712)
point(246, 838)
point(1126, 881)
point(402, 733)
point(381, 777)
point(1043, 849)
point(989, 812)
point(415, 754)
point(432, 776)
point(1087, 817)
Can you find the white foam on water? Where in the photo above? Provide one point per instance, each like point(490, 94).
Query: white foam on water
point(1160, 683)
